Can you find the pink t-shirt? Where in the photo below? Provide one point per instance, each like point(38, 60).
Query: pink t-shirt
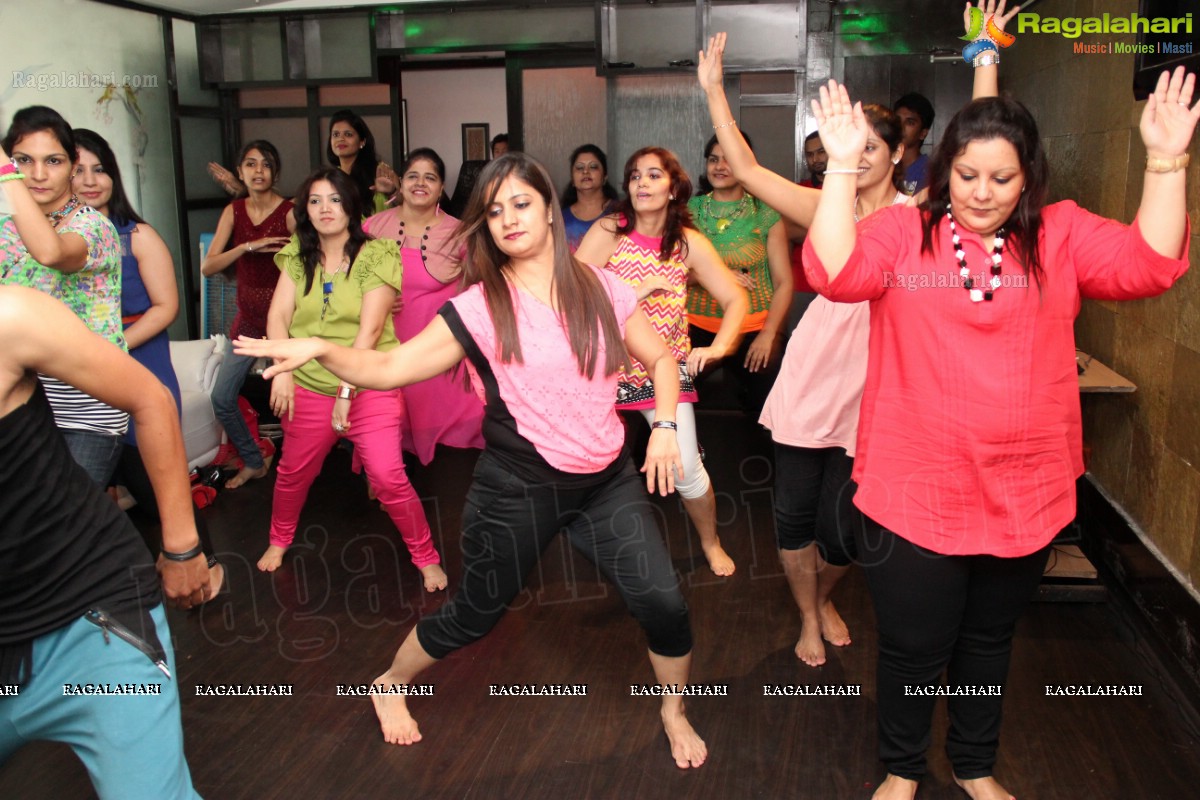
point(970, 437)
point(569, 419)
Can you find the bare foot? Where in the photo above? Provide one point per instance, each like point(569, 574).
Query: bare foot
point(719, 561)
point(687, 748)
point(397, 724)
point(984, 789)
point(833, 628)
point(810, 649)
point(271, 559)
point(247, 474)
point(435, 577)
point(895, 788)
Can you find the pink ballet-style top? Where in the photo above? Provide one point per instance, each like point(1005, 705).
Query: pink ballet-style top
point(569, 418)
point(443, 409)
point(970, 439)
point(814, 401)
point(635, 259)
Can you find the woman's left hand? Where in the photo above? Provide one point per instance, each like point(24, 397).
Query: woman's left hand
point(759, 353)
point(843, 127)
point(701, 357)
point(1169, 118)
point(341, 416)
point(745, 279)
point(663, 464)
point(655, 283)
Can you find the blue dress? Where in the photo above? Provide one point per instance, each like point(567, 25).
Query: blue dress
point(155, 354)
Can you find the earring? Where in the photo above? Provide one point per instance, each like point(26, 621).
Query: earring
point(895, 161)
point(549, 219)
point(672, 197)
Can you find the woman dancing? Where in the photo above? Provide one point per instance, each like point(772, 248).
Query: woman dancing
point(543, 333)
point(338, 283)
point(440, 410)
point(251, 230)
point(650, 244)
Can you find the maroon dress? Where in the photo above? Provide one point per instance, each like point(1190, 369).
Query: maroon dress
point(256, 272)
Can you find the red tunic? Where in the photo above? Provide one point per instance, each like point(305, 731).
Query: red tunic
point(969, 437)
point(256, 272)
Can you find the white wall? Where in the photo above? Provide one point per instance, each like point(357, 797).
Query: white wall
point(440, 101)
point(65, 44)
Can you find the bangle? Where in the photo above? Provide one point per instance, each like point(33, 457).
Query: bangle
point(732, 122)
point(9, 168)
point(841, 172)
point(10, 176)
point(664, 423)
point(188, 556)
point(346, 392)
point(1157, 165)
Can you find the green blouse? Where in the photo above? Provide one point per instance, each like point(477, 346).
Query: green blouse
point(738, 230)
point(377, 264)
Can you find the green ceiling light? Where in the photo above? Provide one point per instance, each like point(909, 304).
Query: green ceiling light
point(864, 23)
point(413, 29)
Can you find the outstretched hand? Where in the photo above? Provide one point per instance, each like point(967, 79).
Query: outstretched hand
point(843, 127)
point(975, 19)
point(709, 68)
point(289, 354)
point(1169, 118)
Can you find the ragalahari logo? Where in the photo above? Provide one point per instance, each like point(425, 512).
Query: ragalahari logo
point(984, 38)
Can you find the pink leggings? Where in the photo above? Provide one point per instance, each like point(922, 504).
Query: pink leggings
point(375, 430)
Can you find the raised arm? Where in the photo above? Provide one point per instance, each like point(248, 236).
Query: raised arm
point(1168, 122)
point(844, 132)
point(431, 352)
point(797, 203)
point(43, 335)
point(158, 274)
point(66, 253)
point(987, 19)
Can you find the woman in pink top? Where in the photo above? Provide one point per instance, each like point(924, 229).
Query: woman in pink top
point(440, 410)
point(812, 413)
point(970, 433)
point(652, 245)
point(543, 334)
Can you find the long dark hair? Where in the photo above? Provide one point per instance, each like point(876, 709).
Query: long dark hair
point(120, 210)
point(888, 128)
point(34, 119)
point(365, 163)
point(678, 216)
point(583, 300)
point(570, 194)
point(310, 240)
point(980, 120)
point(269, 154)
point(703, 185)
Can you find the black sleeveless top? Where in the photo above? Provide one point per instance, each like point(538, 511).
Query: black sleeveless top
point(65, 547)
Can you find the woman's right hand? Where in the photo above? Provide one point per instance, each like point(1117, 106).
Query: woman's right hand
point(745, 279)
point(283, 395)
point(843, 127)
point(654, 283)
point(226, 179)
point(268, 244)
point(710, 70)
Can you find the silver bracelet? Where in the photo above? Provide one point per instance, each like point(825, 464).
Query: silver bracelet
point(664, 423)
point(732, 122)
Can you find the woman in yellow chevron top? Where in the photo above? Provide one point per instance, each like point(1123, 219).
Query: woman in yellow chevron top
point(652, 245)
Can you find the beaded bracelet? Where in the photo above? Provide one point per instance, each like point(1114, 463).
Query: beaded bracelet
point(732, 122)
point(11, 176)
point(188, 556)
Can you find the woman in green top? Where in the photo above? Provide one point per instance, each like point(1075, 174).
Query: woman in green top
point(751, 240)
point(339, 284)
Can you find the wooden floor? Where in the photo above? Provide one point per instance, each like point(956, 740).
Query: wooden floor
point(347, 594)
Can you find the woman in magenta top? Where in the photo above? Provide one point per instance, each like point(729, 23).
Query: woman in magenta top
point(543, 333)
point(441, 410)
point(969, 439)
point(251, 230)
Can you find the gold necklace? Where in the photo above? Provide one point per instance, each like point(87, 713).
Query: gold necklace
point(722, 221)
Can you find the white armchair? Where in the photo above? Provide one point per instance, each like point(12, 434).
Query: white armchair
point(196, 363)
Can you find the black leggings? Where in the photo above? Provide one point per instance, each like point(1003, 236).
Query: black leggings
point(936, 613)
point(814, 501)
point(507, 522)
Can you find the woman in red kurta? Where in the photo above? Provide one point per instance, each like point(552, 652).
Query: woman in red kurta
point(969, 435)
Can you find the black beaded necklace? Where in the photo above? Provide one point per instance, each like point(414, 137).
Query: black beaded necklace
point(994, 262)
